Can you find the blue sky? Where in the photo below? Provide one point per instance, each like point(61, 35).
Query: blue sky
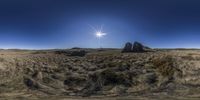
point(45, 24)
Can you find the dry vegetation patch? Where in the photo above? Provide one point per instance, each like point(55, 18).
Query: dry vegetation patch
point(165, 65)
point(96, 73)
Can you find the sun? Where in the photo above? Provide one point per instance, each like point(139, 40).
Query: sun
point(100, 34)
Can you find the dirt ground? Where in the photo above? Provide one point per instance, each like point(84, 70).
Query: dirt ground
point(95, 74)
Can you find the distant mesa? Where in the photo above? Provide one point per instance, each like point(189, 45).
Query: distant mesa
point(135, 47)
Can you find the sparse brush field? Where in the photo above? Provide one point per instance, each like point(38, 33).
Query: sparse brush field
point(99, 74)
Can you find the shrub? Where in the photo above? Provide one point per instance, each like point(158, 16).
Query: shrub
point(72, 80)
point(80, 53)
point(165, 65)
point(115, 78)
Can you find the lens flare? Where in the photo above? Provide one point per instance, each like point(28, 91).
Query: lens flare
point(100, 34)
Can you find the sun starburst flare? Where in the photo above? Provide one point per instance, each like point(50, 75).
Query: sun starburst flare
point(98, 33)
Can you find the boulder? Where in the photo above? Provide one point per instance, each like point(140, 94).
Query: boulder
point(128, 47)
point(138, 47)
point(135, 47)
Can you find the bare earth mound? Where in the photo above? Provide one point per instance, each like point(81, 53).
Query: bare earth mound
point(96, 74)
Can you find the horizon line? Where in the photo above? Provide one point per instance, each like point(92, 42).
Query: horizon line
point(89, 48)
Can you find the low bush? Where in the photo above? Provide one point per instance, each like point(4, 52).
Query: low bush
point(165, 65)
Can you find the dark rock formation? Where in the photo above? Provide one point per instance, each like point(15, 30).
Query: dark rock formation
point(138, 47)
point(128, 47)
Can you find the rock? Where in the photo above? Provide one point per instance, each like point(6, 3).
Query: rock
point(32, 84)
point(146, 47)
point(128, 47)
point(138, 47)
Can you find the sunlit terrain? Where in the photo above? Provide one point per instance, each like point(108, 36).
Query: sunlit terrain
point(99, 73)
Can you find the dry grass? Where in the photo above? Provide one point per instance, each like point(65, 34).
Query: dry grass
point(165, 65)
point(96, 73)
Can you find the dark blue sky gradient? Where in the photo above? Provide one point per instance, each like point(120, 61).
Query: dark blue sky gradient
point(44, 24)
